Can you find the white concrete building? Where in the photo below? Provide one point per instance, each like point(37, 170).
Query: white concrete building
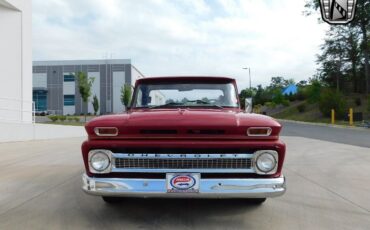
point(16, 78)
point(16, 61)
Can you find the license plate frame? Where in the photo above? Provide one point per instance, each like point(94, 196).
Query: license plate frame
point(182, 182)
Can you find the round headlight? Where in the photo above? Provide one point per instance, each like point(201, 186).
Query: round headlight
point(100, 161)
point(266, 162)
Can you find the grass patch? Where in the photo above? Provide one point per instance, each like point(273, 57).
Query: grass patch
point(313, 114)
point(64, 123)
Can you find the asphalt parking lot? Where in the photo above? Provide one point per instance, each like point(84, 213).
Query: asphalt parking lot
point(351, 136)
point(328, 188)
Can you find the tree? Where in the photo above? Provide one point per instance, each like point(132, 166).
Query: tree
point(353, 55)
point(360, 27)
point(340, 58)
point(84, 87)
point(280, 82)
point(333, 56)
point(126, 94)
point(329, 100)
point(277, 82)
point(313, 91)
point(95, 104)
point(278, 97)
point(362, 21)
point(288, 82)
point(302, 83)
point(262, 95)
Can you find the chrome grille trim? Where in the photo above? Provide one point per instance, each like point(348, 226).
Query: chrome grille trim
point(143, 162)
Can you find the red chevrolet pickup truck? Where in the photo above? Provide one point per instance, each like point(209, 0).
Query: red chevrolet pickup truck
point(184, 137)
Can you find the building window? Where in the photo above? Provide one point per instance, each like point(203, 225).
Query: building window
point(69, 77)
point(69, 99)
point(40, 99)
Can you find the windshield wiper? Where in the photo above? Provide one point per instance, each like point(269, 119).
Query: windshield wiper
point(207, 103)
point(169, 104)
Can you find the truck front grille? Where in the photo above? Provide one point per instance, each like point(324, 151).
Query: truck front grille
point(139, 163)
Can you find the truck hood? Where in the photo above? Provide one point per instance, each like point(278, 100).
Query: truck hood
point(184, 123)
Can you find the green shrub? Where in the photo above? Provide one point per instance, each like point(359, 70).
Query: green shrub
point(257, 106)
point(285, 102)
point(271, 105)
point(53, 118)
point(300, 96)
point(70, 119)
point(62, 118)
point(291, 97)
point(77, 119)
point(278, 97)
point(331, 99)
point(301, 108)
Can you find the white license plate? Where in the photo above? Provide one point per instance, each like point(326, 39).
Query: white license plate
point(183, 182)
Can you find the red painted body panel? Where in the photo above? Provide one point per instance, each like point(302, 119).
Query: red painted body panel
point(231, 121)
point(235, 124)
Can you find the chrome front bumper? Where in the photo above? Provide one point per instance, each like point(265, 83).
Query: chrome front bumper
point(209, 188)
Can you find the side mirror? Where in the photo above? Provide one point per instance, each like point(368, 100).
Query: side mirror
point(248, 105)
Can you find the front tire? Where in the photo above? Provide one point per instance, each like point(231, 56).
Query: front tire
point(257, 201)
point(110, 199)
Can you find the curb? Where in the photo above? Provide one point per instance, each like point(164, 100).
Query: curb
point(325, 125)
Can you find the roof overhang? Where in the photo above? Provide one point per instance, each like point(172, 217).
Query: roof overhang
point(8, 5)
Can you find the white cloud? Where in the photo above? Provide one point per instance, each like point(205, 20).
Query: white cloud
point(183, 36)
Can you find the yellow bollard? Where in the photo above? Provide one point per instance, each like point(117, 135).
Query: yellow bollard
point(350, 116)
point(332, 117)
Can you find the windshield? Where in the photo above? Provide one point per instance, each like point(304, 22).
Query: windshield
point(185, 95)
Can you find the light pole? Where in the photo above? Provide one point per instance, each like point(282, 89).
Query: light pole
point(250, 80)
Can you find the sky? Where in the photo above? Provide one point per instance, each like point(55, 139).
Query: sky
point(183, 37)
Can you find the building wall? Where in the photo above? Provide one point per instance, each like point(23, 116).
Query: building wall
point(16, 59)
point(109, 76)
point(118, 81)
point(25, 132)
point(40, 80)
point(69, 93)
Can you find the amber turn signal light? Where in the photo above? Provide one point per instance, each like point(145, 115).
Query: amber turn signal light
point(259, 131)
point(106, 131)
